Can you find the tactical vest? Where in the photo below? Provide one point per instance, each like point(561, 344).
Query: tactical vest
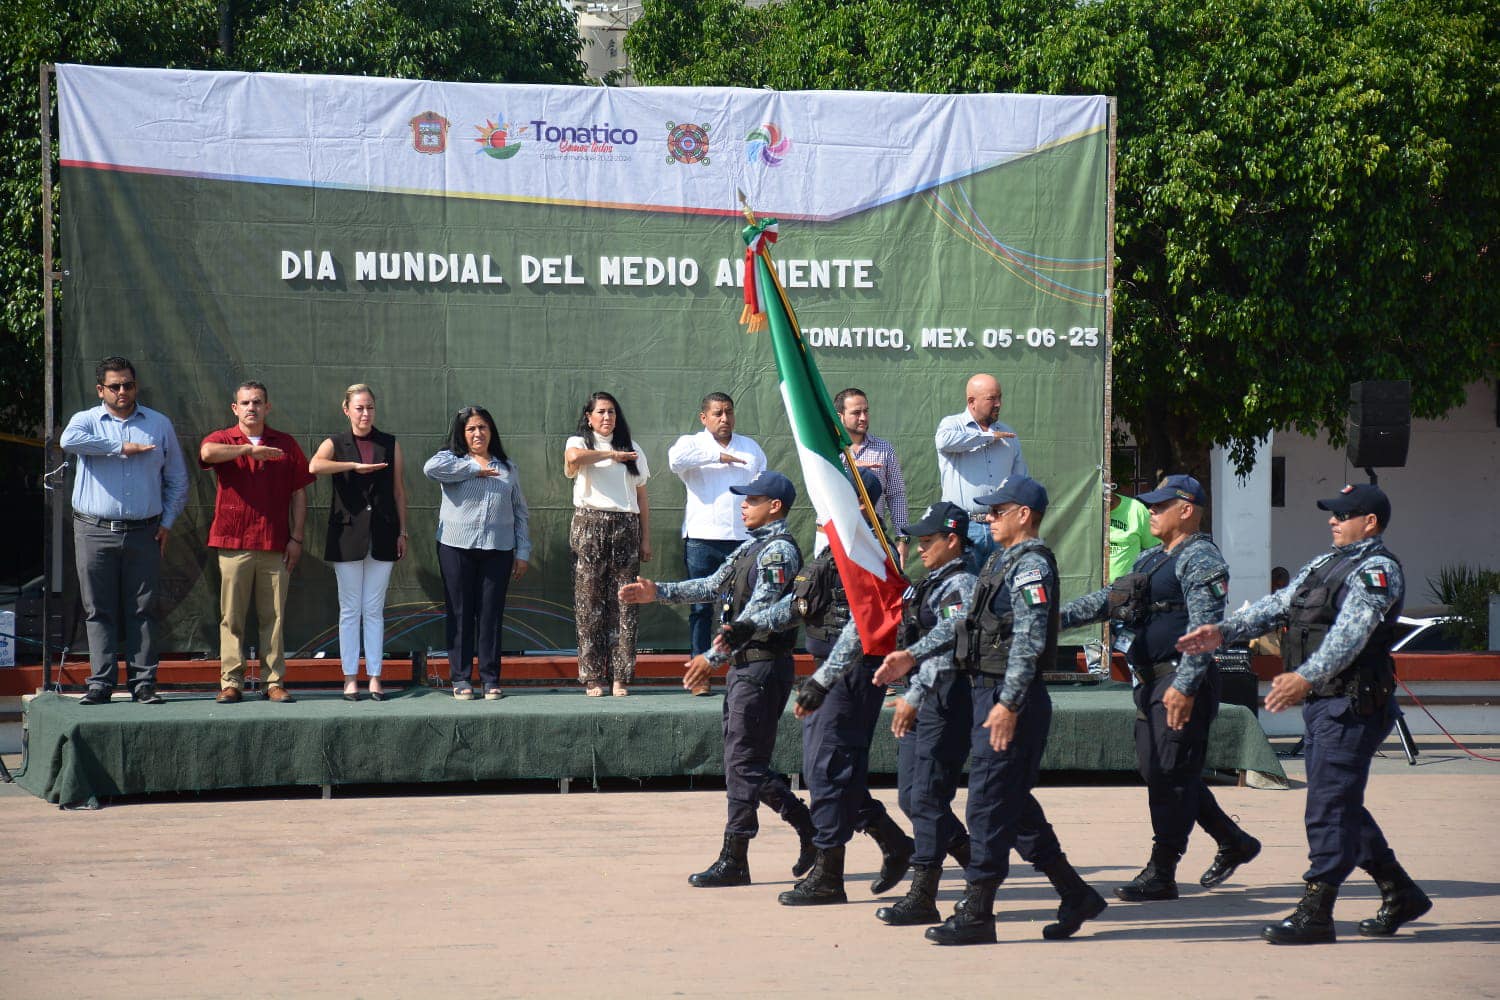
point(1166, 613)
point(821, 603)
point(1310, 616)
point(742, 582)
point(984, 637)
point(917, 619)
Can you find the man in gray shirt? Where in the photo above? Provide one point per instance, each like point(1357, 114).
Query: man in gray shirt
point(130, 487)
point(975, 454)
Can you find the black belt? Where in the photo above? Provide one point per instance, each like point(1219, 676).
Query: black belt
point(118, 525)
point(1155, 671)
point(986, 680)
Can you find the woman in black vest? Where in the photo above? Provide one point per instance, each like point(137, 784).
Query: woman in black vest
point(366, 531)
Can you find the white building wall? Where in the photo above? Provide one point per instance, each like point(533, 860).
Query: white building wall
point(1445, 502)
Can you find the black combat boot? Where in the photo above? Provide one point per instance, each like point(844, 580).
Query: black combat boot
point(973, 920)
point(919, 905)
point(1401, 900)
point(799, 818)
point(895, 853)
point(823, 885)
point(732, 868)
point(1080, 901)
point(1158, 880)
point(1242, 849)
point(1311, 922)
point(959, 850)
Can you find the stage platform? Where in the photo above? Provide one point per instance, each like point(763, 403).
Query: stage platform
point(423, 735)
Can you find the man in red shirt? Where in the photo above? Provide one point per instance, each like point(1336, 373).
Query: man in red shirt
point(259, 514)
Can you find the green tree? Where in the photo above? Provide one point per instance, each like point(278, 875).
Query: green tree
point(509, 41)
point(1307, 193)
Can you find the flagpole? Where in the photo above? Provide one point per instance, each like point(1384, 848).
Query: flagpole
point(866, 504)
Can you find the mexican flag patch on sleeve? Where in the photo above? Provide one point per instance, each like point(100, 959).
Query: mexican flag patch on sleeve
point(1034, 594)
point(1375, 579)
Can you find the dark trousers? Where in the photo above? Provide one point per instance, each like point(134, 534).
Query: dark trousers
point(1338, 747)
point(836, 755)
point(474, 586)
point(929, 762)
point(1171, 763)
point(118, 573)
point(755, 695)
point(702, 556)
point(1003, 813)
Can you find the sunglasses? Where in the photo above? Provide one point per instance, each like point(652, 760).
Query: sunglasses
point(119, 387)
point(1344, 515)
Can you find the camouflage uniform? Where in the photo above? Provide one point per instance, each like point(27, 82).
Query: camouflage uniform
point(1347, 716)
point(1188, 587)
point(1003, 813)
point(930, 758)
point(760, 676)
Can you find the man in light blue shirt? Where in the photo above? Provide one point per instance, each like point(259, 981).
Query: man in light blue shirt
point(130, 486)
point(975, 454)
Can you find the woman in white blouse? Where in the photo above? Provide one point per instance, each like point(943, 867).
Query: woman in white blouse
point(610, 538)
point(483, 543)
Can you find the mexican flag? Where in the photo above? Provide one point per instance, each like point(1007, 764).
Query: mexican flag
point(870, 576)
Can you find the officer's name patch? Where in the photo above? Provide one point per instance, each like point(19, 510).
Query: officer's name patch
point(1034, 594)
point(1375, 579)
point(1031, 575)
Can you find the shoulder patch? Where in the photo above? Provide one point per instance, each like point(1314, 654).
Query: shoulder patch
point(774, 574)
point(1375, 579)
point(1218, 583)
point(1034, 594)
point(953, 611)
point(1029, 575)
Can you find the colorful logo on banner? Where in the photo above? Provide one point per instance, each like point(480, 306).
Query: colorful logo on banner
point(768, 144)
point(499, 141)
point(687, 143)
point(429, 132)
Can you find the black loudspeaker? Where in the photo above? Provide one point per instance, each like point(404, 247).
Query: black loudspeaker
point(1379, 424)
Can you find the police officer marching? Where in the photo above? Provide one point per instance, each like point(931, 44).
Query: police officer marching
point(1340, 611)
point(931, 722)
point(839, 707)
point(1006, 642)
point(1178, 584)
point(757, 575)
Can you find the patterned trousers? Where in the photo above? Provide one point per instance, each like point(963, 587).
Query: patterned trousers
point(606, 548)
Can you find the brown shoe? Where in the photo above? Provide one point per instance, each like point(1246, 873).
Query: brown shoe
point(278, 693)
point(229, 696)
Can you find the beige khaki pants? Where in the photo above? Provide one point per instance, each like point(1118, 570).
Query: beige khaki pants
point(248, 574)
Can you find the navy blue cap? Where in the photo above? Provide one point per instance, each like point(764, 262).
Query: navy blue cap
point(1178, 487)
point(769, 484)
point(1361, 498)
point(1017, 489)
point(940, 519)
point(872, 485)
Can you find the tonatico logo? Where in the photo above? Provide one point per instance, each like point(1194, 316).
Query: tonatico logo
point(596, 138)
point(499, 141)
point(768, 144)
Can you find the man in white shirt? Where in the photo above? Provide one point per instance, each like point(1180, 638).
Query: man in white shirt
point(709, 463)
point(975, 453)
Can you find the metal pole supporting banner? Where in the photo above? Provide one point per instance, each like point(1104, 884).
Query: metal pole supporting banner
point(53, 469)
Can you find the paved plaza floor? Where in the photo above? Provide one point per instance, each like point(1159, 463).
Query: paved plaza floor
point(523, 892)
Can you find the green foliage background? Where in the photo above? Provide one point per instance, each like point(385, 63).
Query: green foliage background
point(1307, 192)
point(498, 41)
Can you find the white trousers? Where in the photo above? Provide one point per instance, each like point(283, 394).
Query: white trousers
point(362, 598)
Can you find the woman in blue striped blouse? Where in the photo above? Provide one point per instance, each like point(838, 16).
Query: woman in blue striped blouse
point(483, 543)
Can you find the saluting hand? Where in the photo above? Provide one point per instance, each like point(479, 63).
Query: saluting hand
point(135, 447)
point(642, 591)
point(1203, 639)
point(365, 468)
point(265, 453)
point(895, 666)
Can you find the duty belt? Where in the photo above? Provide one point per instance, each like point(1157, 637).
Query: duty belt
point(1156, 671)
point(118, 525)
